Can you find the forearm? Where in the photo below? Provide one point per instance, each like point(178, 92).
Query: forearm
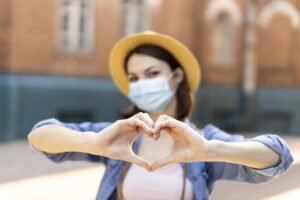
point(56, 139)
point(250, 153)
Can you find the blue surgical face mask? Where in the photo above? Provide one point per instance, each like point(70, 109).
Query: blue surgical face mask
point(151, 95)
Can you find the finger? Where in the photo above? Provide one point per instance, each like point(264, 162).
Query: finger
point(162, 163)
point(139, 161)
point(138, 123)
point(156, 136)
point(156, 130)
point(160, 119)
point(166, 124)
point(145, 118)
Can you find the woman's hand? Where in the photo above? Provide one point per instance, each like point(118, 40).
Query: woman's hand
point(189, 145)
point(116, 140)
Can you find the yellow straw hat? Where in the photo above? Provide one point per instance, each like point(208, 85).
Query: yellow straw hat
point(119, 52)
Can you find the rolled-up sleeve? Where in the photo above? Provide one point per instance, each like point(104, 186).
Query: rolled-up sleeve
point(75, 156)
point(279, 146)
point(230, 171)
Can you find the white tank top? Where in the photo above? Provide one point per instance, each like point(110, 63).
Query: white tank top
point(162, 184)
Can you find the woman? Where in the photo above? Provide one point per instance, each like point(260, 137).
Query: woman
point(173, 159)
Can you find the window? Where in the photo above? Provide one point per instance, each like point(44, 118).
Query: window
point(223, 41)
point(76, 20)
point(135, 16)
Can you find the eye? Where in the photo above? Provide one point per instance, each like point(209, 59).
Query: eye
point(153, 74)
point(133, 79)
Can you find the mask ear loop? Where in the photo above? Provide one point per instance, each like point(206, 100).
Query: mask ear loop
point(171, 76)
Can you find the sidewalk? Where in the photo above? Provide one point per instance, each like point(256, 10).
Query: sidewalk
point(28, 176)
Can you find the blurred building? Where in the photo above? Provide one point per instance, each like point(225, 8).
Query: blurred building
point(54, 59)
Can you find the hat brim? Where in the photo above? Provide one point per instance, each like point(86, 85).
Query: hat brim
point(118, 54)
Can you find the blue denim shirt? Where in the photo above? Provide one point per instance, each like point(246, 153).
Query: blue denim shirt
point(202, 175)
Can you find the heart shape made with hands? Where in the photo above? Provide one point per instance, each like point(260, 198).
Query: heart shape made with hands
point(180, 146)
point(157, 147)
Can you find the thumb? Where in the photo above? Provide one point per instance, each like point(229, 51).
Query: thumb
point(133, 158)
point(163, 162)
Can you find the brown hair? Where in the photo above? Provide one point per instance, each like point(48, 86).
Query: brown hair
point(185, 100)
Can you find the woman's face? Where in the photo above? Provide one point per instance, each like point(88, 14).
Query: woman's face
point(142, 67)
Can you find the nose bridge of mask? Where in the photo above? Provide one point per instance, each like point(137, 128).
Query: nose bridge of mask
point(151, 84)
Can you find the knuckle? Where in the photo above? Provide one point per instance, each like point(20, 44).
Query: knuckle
point(168, 121)
point(162, 116)
point(159, 119)
point(120, 121)
point(165, 116)
point(135, 120)
point(140, 114)
point(136, 115)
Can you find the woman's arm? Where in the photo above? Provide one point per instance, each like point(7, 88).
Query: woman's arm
point(249, 153)
point(256, 160)
point(39, 145)
point(90, 141)
point(53, 138)
point(230, 157)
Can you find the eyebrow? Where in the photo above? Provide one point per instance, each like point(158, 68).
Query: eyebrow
point(148, 69)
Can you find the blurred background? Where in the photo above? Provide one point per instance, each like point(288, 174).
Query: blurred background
point(54, 63)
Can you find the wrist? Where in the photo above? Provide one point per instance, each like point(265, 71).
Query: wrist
point(89, 142)
point(214, 150)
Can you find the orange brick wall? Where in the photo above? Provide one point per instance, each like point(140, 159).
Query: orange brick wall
point(4, 33)
point(177, 20)
point(277, 50)
point(32, 39)
point(214, 74)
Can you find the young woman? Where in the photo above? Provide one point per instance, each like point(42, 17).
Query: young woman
point(155, 152)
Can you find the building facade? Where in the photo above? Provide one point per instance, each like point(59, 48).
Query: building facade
point(54, 59)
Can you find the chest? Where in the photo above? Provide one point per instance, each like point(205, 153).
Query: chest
point(165, 182)
point(195, 173)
